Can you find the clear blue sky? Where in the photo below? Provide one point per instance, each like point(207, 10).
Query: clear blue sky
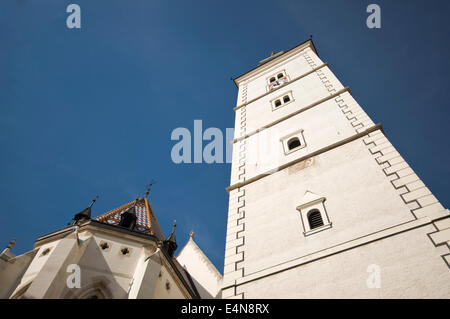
point(90, 111)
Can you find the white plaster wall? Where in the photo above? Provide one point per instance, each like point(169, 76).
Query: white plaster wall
point(107, 268)
point(411, 267)
point(294, 66)
point(359, 201)
point(305, 91)
point(110, 265)
point(11, 272)
point(201, 269)
point(370, 191)
point(322, 126)
point(161, 292)
point(36, 264)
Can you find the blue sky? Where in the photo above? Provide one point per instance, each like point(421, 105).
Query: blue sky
point(91, 111)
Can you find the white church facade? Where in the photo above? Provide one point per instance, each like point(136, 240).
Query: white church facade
point(121, 254)
point(321, 205)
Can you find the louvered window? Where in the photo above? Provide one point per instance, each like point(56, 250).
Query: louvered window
point(314, 219)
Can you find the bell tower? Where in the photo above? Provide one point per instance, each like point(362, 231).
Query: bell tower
point(321, 204)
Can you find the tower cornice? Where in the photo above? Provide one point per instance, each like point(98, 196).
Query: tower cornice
point(279, 59)
point(300, 159)
point(329, 97)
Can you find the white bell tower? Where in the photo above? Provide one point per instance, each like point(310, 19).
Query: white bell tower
point(321, 204)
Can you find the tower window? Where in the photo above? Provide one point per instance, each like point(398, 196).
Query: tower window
point(275, 81)
point(314, 219)
point(293, 143)
point(313, 214)
point(281, 100)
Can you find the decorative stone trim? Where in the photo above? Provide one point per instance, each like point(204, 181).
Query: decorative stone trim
point(417, 197)
point(441, 237)
point(234, 246)
point(410, 188)
point(344, 246)
point(235, 240)
point(326, 82)
point(353, 112)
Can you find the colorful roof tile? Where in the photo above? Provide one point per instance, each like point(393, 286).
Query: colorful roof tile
point(146, 220)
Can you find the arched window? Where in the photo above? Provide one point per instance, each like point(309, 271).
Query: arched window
point(286, 98)
point(280, 75)
point(272, 80)
point(314, 219)
point(277, 103)
point(293, 143)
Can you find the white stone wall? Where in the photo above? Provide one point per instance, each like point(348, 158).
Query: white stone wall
point(117, 275)
point(295, 64)
point(305, 91)
point(371, 194)
point(410, 267)
point(207, 278)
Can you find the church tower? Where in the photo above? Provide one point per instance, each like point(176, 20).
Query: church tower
point(321, 204)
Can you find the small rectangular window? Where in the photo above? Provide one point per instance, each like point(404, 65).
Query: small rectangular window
point(282, 100)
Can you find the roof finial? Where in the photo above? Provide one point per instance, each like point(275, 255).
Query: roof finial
point(93, 201)
point(191, 234)
point(310, 36)
point(149, 186)
point(4, 253)
point(174, 225)
point(85, 213)
point(171, 241)
point(11, 244)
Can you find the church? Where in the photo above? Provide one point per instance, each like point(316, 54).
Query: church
point(321, 205)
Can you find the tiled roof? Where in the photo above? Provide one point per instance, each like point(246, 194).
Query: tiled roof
point(146, 220)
